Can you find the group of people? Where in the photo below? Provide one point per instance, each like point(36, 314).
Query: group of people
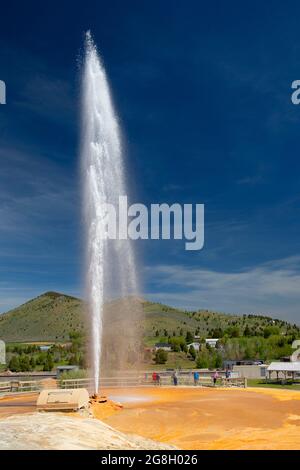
point(156, 378)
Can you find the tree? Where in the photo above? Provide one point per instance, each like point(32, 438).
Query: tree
point(202, 360)
point(233, 331)
point(189, 337)
point(177, 343)
point(49, 364)
point(247, 331)
point(192, 352)
point(161, 356)
point(32, 363)
point(271, 330)
point(24, 363)
point(217, 333)
point(14, 364)
point(218, 361)
point(77, 340)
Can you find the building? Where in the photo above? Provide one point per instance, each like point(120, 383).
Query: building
point(284, 370)
point(195, 345)
point(61, 369)
point(251, 371)
point(164, 346)
point(212, 342)
point(45, 347)
point(227, 364)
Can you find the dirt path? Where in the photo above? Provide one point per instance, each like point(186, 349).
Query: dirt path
point(17, 405)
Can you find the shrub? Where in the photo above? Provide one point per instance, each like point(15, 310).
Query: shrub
point(161, 356)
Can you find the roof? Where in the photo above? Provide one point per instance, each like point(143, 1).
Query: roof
point(284, 366)
point(67, 367)
point(255, 364)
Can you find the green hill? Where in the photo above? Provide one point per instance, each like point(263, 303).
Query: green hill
point(48, 317)
point(52, 316)
point(162, 320)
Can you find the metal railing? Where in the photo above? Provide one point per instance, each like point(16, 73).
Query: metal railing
point(147, 381)
point(185, 378)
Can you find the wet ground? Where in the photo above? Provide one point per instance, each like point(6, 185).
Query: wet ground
point(197, 418)
point(17, 405)
point(206, 418)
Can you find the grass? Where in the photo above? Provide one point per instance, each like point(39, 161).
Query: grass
point(176, 360)
point(51, 316)
point(276, 385)
point(47, 318)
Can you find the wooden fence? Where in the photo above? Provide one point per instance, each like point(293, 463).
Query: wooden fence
point(14, 386)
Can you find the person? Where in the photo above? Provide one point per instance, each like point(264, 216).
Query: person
point(158, 379)
point(227, 374)
point(175, 378)
point(215, 377)
point(196, 377)
point(154, 377)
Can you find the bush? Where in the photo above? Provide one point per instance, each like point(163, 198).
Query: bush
point(74, 374)
point(161, 356)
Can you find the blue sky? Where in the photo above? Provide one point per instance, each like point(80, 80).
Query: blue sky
point(203, 94)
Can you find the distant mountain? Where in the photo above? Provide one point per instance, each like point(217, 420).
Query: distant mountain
point(52, 316)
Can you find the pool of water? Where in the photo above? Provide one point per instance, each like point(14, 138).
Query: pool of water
point(129, 398)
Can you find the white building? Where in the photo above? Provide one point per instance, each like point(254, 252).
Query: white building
point(253, 371)
point(195, 345)
point(164, 346)
point(212, 342)
point(284, 370)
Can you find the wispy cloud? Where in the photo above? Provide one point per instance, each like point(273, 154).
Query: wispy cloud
point(173, 187)
point(48, 97)
point(38, 216)
point(250, 180)
point(270, 288)
point(34, 191)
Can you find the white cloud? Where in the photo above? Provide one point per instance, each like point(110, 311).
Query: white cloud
point(270, 288)
point(34, 192)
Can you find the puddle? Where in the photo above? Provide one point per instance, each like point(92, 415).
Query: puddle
point(129, 398)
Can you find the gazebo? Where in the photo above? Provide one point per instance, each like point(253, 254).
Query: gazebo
point(286, 369)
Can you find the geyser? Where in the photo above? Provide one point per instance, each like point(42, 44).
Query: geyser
point(109, 264)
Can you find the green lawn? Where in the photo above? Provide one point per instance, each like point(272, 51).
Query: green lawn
point(262, 383)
